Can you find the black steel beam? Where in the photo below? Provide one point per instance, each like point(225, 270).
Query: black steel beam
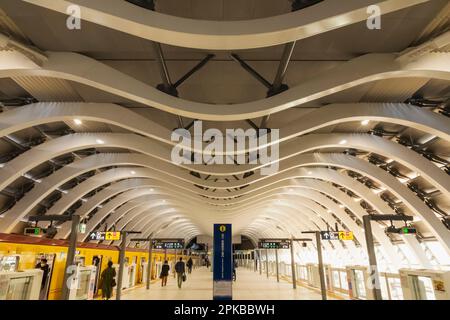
point(194, 70)
point(390, 217)
point(50, 218)
point(252, 71)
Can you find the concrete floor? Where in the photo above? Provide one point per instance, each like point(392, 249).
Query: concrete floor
point(250, 285)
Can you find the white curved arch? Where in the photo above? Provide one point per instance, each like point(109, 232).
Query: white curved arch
point(124, 190)
point(364, 69)
point(399, 113)
point(224, 35)
point(46, 151)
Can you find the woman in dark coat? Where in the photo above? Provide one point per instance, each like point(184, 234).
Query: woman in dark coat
point(164, 273)
point(107, 281)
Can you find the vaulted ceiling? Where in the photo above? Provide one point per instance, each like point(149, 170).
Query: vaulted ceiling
point(363, 115)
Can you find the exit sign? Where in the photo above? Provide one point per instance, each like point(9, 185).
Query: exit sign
point(32, 231)
point(407, 230)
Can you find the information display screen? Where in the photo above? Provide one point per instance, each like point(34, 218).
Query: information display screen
point(274, 244)
point(168, 243)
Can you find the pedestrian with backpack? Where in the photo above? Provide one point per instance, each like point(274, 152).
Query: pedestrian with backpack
point(180, 269)
point(108, 281)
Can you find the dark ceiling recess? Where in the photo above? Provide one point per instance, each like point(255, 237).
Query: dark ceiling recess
point(147, 4)
point(302, 4)
point(246, 244)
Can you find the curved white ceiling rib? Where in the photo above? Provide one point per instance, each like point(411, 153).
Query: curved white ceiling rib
point(85, 191)
point(387, 180)
point(120, 192)
point(399, 113)
point(72, 170)
point(224, 35)
point(364, 69)
point(112, 216)
point(363, 192)
point(48, 150)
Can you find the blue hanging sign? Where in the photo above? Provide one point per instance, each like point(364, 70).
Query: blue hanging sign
point(222, 267)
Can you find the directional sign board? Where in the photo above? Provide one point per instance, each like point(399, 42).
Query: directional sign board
point(102, 235)
point(32, 231)
point(329, 235)
point(336, 235)
point(274, 244)
point(346, 235)
point(168, 243)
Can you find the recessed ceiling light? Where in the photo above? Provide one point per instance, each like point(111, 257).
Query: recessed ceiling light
point(100, 141)
point(151, 190)
point(78, 122)
point(343, 141)
point(365, 122)
point(133, 172)
point(309, 172)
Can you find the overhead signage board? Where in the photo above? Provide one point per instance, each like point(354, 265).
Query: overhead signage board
point(102, 235)
point(336, 235)
point(222, 262)
point(274, 244)
point(329, 235)
point(168, 243)
point(408, 230)
point(112, 235)
point(32, 231)
point(346, 235)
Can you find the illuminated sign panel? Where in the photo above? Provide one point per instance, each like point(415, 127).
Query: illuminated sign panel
point(329, 235)
point(32, 231)
point(102, 235)
point(168, 243)
point(346, 235)
point(336, 235)
point(274, 244)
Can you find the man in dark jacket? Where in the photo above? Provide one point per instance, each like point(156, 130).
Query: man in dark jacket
point(164, 273)
point(189, 264)
point(107, 281)
point(45, 269)
point(180, 269)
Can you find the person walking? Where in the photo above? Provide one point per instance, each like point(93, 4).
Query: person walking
point(180, 269)
point(235, 265)
point(107, 281)
point(164, 273)
point(43, 265)
point(189, 264)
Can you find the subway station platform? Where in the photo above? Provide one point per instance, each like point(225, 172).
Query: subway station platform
point(309, 138)
point(250, 285)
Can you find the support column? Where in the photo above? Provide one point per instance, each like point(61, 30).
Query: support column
point(149, 264)
point(259, 260)
point(276, 261)
point(294, 278)
point(121, 265)
point(323, 288)
point(70, 256)
point(373, 269)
